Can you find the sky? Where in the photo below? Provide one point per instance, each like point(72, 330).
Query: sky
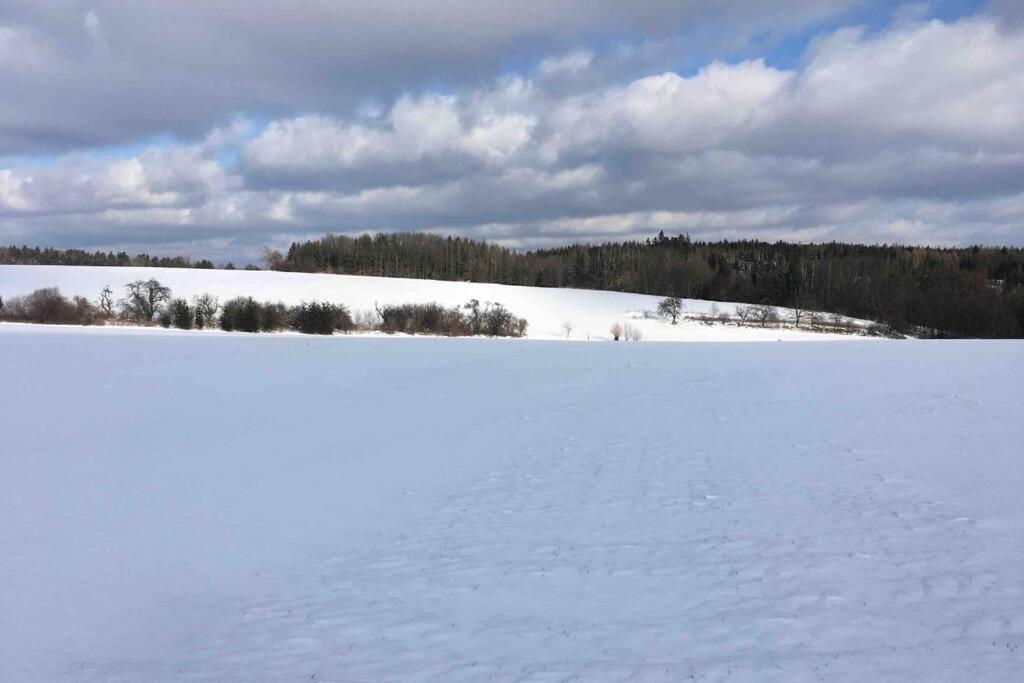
point(215, 129)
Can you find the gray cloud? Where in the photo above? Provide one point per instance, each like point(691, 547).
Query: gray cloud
point(77, 74)
point(1010, 12)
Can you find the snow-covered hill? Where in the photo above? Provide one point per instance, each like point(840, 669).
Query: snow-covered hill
point(188, 507)
point(590, 313)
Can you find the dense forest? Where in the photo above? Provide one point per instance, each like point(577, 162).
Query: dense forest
point(35, 256)
point(973, 292)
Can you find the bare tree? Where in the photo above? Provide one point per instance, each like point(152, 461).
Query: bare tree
point(272, 259)
point(801, 312)
point(630, 333)
point(671, 307)
point(143, 298)
point(764, 314)
point(616, 331)
point(475, 315)
point(366, 321)
point(204, 306)
point(107, 302)
point(744, 313)
point(567, 327)
point(798, 315)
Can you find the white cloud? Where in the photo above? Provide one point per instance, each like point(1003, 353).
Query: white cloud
point(668, 112)
point(12, 190)
point(565, 65)
point(435, 129)
point(958, 84)
point(156, 177)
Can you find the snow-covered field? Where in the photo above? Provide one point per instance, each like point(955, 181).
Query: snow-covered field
point(284, 508)
point(591, 313)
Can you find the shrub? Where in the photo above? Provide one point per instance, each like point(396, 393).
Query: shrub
point(493, 320)
point(242, 314)
point(247, 314)
point(85, 312)
point(46, 305)
point(273, 316)
point(616, 331)
point(49, 306)
point(499, 322)
point(882, 330)
point(367, 321)
point(422, 319)
point(321, 318)
point(343, 321)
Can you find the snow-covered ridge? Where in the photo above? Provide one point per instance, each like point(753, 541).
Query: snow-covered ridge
point(590, 313)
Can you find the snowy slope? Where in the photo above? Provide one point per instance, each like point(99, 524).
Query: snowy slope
point(591, 312)
point(283, 508)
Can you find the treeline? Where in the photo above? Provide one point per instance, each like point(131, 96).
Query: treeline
point(147, 302)
point(36, 256)
point(974, 292)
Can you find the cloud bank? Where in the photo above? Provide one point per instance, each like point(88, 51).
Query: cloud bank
point(910, 133)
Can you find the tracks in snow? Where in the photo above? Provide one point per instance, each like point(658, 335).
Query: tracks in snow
point(611, 556)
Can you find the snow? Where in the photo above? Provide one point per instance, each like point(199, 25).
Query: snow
point(285, 508)
point(591, 313)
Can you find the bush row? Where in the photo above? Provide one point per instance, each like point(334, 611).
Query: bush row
point(146, 301)
point(493, 320)
point(245, 314)
point(764, 315)
point(48, 305)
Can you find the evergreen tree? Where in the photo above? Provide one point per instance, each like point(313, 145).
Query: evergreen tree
point(181, 314)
